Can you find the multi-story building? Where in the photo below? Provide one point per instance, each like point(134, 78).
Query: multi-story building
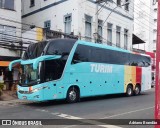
point(145, 23)
point(10, 36)
point(153, 20)
point(113, 21)
point(10, 27)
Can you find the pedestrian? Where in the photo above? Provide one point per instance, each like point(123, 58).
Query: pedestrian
point(1, 76)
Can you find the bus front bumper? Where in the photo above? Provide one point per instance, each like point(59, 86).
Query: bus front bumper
point(24, 93)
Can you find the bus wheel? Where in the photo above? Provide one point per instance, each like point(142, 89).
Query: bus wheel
point(129, 91)
point(72, 95)
point(137, 90)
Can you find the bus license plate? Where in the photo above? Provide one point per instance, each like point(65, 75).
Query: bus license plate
point(24, 97)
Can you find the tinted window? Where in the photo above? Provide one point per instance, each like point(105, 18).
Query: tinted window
point(82, 54)
point(53, 69)
point(93, 54)
point(60, 47)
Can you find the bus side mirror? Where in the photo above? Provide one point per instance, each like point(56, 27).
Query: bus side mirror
point(43, 58)
point(13, 63)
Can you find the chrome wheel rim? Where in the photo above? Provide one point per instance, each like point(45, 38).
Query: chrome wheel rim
point(136, 90)
point(129, 91)
point(72, 95)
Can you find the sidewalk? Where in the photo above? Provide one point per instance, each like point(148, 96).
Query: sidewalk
point(10, 98)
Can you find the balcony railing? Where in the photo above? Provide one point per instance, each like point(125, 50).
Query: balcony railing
point(50, 34)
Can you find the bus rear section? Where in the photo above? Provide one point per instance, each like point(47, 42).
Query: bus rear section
point(107, 70)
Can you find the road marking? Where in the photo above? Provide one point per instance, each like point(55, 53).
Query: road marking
point(68, 116)
point(42, 110)
point(55, 113)
point(127, 112)
point(92, 122)
point(84, 121)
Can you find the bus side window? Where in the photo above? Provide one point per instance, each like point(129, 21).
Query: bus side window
point(96, 55)
point(81, 54)
point(76, 58)
point(147, 61)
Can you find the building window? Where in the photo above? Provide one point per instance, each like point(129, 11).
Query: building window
point(88, 27)
point(154, 41)
point(154, 30)
point(67, 23)
point(7, 33)
point(109, 33)
point(118, 2)
point(47, 24)
point(7, 4)
point(125, 38)
point(155, 20)
point(32, 3)
point(100, 31)
point(155, 9)
point(154, 2)
point(126, 6)
point(118, 36)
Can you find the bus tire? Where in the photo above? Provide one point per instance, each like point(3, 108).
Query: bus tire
point(72, 95)
point(129, 91)
point(137, 90)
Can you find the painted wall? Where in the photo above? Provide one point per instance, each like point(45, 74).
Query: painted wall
point(37, 15)
point(11, 15)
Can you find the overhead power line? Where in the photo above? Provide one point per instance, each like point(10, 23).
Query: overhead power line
point(17, 36)
point(30, 25)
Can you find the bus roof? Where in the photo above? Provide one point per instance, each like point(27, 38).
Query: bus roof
point(102, 46)
point(108, 47)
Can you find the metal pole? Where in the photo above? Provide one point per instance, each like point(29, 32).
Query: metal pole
point(157, 87)
point(96, 18)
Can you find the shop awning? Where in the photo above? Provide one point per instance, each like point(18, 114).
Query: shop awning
point(4, 63)
point(5, 60)
point(152, 54)
point(137, 40)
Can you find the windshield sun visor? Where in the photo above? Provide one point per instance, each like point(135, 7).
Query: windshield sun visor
point(42, 58)
point(34, 61)
point(13, 63)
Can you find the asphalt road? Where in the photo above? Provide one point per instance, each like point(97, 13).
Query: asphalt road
point(106, 107)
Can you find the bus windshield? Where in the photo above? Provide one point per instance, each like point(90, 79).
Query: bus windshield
point(28, 75)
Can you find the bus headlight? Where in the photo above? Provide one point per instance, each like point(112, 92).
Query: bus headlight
point(37, 89)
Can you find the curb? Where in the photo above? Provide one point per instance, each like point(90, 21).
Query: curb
point(14, 102)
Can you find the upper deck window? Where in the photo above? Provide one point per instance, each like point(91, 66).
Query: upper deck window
point(60, 47)
point(86, 53)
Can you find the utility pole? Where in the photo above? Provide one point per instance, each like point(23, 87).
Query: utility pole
point(157, 87)
point(96, 16)
point(96, 19)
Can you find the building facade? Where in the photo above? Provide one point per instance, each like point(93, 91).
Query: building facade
point(113, 21)
point(145, 23)
point(10, 38)
point(153, 33)
point(10, 26)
